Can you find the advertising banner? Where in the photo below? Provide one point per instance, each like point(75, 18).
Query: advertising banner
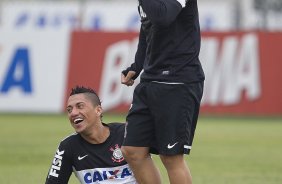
point(242, 70)
point(100, 15)
point(242, 73)
point(33, 67)
point(36, 15)
point(97, 59)
point(73, 15)
point(39, 68)
point(110, 16)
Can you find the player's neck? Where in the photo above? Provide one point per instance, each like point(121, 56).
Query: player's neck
point(98, 136)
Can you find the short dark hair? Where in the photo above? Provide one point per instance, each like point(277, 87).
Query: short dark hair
point(89, 92)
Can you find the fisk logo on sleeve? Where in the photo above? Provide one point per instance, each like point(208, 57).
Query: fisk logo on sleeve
point(56, 164)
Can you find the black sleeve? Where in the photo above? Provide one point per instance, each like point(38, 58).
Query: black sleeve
point(140, 55)
point(61, 167)
point(161, 12)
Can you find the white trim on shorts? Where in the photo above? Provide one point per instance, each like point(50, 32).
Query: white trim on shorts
point(171, 83)
point(187, 147)
point(182, 2)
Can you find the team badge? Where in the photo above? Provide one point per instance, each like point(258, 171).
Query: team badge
point(117, 154)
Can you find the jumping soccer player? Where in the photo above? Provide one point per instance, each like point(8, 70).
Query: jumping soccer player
point(166, 102)
point(93, 152)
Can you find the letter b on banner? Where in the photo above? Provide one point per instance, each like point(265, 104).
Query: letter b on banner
point(117, 58)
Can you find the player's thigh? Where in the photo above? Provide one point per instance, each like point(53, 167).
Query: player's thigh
point(139, 129)
point(173, 109)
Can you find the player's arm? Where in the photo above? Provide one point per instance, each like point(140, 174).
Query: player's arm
point(162, 12)
point(61, 167)
point(131, 73)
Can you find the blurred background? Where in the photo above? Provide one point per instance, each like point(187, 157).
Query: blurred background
point(49, 46)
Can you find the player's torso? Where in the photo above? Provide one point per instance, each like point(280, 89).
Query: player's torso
point(101, 163)
point(171, 49)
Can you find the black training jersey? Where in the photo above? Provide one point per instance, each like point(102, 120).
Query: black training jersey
point(169, 42)
point(92, 163)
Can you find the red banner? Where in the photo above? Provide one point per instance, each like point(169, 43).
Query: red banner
point(242, 70)
point(254, 73)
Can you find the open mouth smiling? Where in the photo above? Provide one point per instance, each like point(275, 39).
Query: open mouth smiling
point(77, 120)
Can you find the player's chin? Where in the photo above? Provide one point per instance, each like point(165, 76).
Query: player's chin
point(78, 127)
point(79, 130)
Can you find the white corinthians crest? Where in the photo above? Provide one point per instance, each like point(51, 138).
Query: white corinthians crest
point(117, 154)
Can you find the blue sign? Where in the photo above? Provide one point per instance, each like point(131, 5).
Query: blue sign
point(18, 72)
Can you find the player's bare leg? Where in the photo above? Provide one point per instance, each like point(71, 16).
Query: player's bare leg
point(141, 164)
point(177, 169)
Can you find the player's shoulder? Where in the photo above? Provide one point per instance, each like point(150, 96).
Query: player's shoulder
point(116, 126)
point(74, 137)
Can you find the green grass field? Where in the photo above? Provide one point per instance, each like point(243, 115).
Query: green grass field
point(225, 150)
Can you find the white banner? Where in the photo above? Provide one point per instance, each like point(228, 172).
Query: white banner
point(30, 15)
point(111, 16)
point(100, 15)
point(263, 15)
point(216, 15)
point(33, 68)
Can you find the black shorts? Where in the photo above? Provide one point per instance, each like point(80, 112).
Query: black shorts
point(163, 116)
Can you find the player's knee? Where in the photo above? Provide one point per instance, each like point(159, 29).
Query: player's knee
point(128, 153)
point(172, 161)
point(133, 154)
point(166, 160)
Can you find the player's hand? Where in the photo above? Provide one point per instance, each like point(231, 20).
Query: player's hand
point(127, 80)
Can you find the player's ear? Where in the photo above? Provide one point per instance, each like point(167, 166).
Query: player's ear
point(99, 110)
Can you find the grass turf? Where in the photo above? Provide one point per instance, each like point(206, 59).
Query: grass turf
point(225, 150)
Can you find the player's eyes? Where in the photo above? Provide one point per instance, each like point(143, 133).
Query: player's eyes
point(69, 110)
point(80, 106)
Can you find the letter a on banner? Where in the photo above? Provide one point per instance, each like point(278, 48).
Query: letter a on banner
point(18, 74)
